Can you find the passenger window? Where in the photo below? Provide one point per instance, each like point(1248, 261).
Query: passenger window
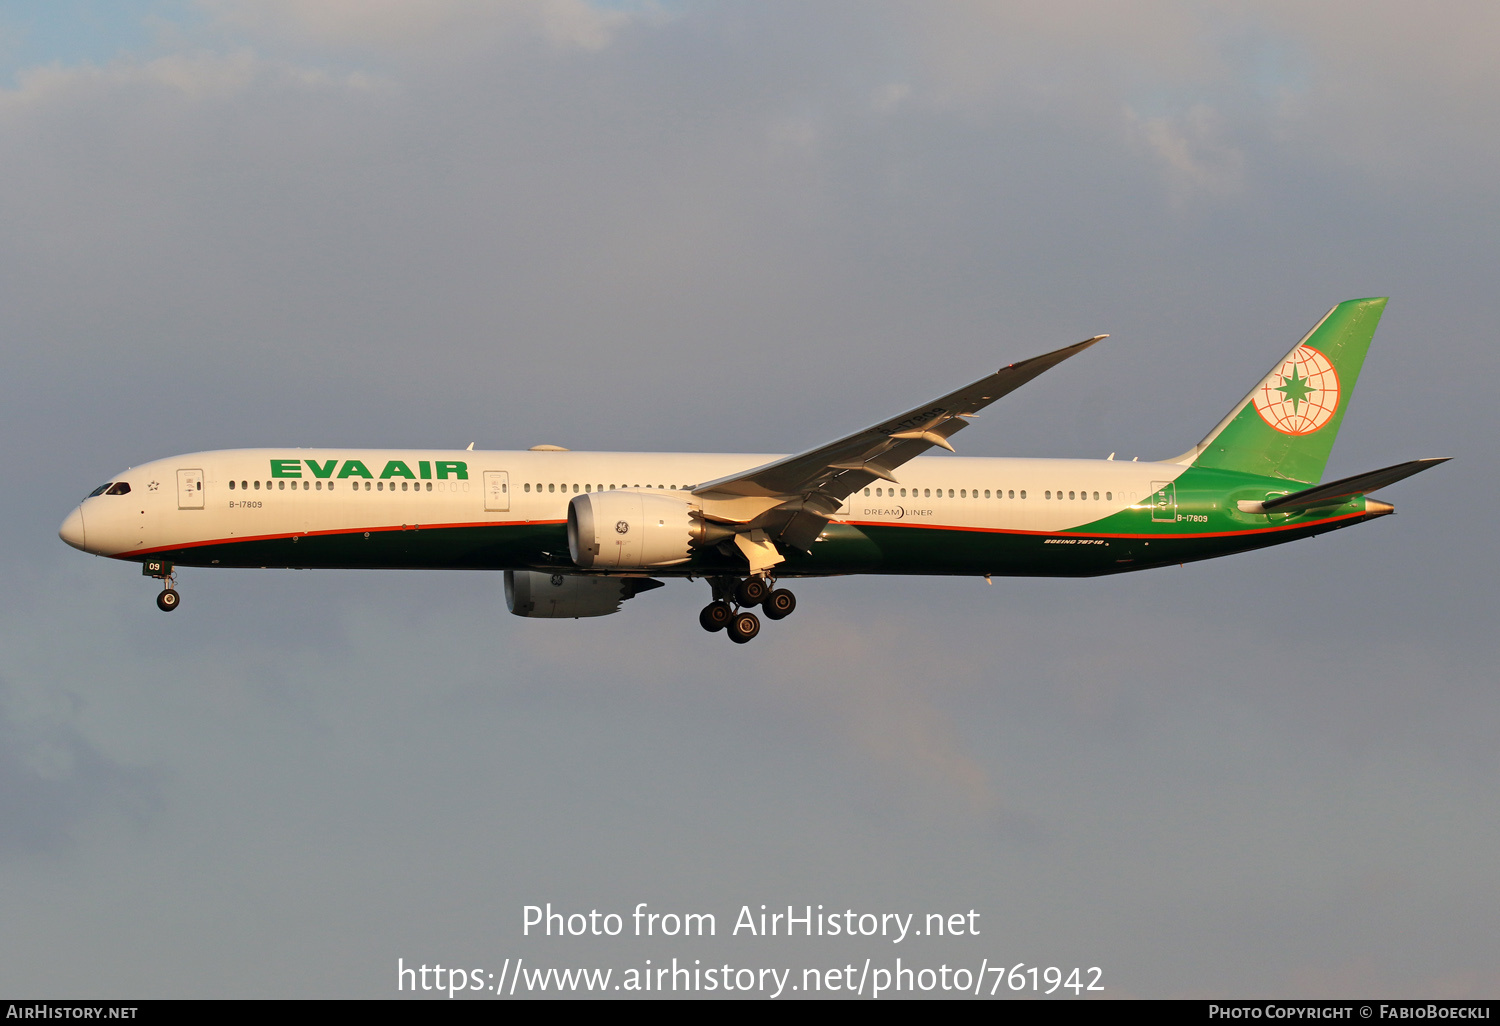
point(878, 493)
point(1096, 496)
point(552, 488)
point(367, 485)
point(867, 492)
point(320, 485)
point(903, 493)
point(429, 486)
point(926, 493)
point(1047, 494)
point(231, 487)
point(257, 486)
point(1070, 495)
point(1023, 493)
point(1109, 496)
point(986, 493)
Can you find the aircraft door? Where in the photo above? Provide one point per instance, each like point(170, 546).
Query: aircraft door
point(1163, 502)
point(190, 489)
point(497, 491)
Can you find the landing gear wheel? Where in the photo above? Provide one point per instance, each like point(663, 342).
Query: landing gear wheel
point(778, 604)
point(751, 591)
point(715, 616)
point(743, 627)
point(167, 600)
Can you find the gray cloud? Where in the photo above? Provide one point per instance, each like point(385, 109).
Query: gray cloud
point(749, 227)
point(56, 784)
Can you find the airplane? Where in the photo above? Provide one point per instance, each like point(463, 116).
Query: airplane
point(578, 533)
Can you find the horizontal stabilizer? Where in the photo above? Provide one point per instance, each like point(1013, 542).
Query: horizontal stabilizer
point(1335, 492)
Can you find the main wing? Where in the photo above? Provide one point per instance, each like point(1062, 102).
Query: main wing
point(814, 484)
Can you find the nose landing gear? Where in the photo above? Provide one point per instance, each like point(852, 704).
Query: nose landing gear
point(162, 571)
point(733, 599)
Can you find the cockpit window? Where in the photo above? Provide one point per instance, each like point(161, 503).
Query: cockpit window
point(119, 488)
point(99, 490)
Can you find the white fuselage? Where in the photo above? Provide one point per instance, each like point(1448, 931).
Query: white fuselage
point(247, 494)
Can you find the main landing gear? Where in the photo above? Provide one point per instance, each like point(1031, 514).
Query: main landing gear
point(162, 571)
point(733, 600)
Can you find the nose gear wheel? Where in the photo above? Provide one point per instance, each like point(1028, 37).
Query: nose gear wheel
point(168, 600)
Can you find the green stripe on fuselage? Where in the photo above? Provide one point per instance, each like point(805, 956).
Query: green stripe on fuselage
point(1203, 521)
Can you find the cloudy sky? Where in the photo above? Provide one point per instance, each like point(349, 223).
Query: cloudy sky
point(745, 227)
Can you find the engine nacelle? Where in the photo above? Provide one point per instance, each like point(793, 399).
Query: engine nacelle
point(534, 593)
point(636, 530)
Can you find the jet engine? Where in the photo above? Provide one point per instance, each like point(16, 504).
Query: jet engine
point(637, 530)
point(532, 593)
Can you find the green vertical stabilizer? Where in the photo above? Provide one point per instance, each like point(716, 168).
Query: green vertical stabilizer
point(1286, 426)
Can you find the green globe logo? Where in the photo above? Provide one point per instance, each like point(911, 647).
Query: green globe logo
point(1301, 395)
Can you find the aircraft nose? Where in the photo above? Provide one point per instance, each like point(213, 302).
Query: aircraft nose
point(71, 530)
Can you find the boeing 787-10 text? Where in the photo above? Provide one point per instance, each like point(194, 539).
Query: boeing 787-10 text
point(577, 533)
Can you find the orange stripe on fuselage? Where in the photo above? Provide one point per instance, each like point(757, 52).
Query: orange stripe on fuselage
point(852, 523)
point(1080, 532)
point(317, 534)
